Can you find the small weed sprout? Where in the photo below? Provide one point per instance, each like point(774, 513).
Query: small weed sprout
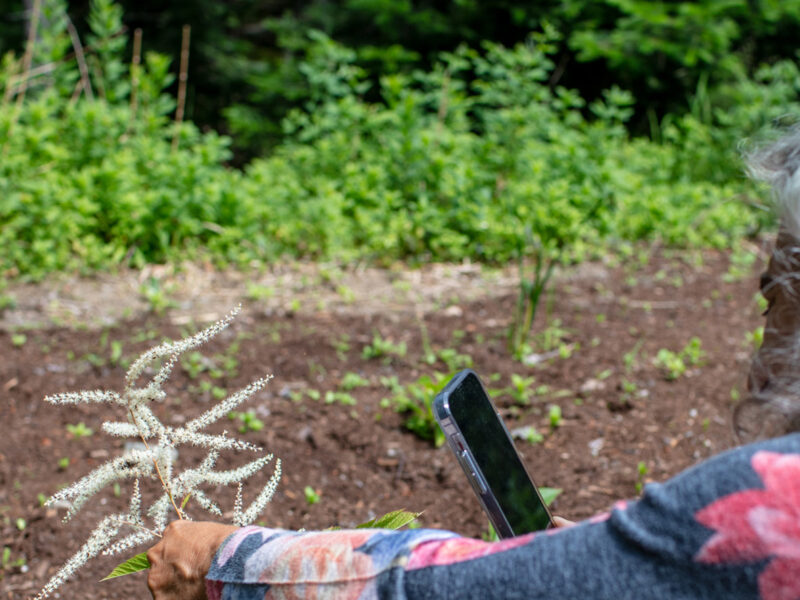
point(382, 348)
point(554, 416)
point(741, 265)
point(154, 459)
point(7, 563)
point(331, 397)
point(532, 436)
point(249, 421)
point(312, 495)
point(351, 381)
point(755, 338)
point(675, 364)
point(79, 430)
point(454, 360)
point(520, 389)
point(416, 400)
point(641, 473)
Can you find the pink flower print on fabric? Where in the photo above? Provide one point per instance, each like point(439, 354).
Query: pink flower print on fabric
point(214, 589)
point(599, 518)
point(321, 565)
point(756, 524)
point(448, 552)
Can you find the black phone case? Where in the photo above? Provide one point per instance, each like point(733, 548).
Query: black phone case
point(464, 456)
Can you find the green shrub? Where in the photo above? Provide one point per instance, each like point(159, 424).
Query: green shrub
point(477, 158)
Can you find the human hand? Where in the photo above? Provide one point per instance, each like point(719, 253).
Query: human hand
point(180, 561)
point(560, 522)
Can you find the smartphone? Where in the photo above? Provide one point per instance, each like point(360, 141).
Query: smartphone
point(478, 437)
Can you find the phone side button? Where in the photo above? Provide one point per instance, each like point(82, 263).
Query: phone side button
point(475, 474)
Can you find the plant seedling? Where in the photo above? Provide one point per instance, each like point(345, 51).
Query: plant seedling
point(554, 416)
point(675, 364)
point(7, 301)
point(628, 389)
point(342, 346)
point(257, 291)
point(79, 431)
point(248, 421)
point(693, 352)
point(741, 265)
point(194, 363)
point(352, 380)
point(382, 348)
point(6, 563)
point(417, 399)
point(755, 338)
point(156, 296)
point(671, 362)
point(312, 496)
point(454, 360)
point(520, 389)
point(346, 293)
point(641, 473)
point(532, 436)
point(391, 382)
point(340, 397)
point(629, 359)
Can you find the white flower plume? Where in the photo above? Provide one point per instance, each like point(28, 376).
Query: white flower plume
point(154, 458)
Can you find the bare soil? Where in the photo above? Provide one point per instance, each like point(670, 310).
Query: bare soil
point(624, 422)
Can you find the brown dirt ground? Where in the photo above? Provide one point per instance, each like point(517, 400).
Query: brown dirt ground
point(307, 325)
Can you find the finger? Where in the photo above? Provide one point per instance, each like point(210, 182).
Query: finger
point(162, 585)
point(157, 575)
point(155, 554)
point(153, 582)
point(562, 522)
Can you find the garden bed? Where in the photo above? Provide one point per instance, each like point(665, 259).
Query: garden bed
point(329, 413)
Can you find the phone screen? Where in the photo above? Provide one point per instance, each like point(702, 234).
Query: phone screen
point(496, 457)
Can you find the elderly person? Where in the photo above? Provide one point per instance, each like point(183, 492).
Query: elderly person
point(726, 528)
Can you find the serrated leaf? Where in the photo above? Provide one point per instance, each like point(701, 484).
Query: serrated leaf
point(549, 494)
point(133, 565)
point(393, 520)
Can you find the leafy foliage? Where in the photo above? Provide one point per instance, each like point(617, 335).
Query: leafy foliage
point(416, 401)
point(675, 364)
point(134, 564)
point(248, 56)
point(393, 520)
point(480, 156)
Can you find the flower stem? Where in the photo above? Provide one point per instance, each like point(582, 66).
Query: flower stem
point(155, 464)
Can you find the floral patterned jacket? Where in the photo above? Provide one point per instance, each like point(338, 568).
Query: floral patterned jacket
point(727, 528)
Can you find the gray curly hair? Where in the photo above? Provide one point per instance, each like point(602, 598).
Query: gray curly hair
point(772, 405)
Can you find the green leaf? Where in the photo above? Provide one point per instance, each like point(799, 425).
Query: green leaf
point(549, 494)
point(186, 500)
point(393, 520)
point(133, 565)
